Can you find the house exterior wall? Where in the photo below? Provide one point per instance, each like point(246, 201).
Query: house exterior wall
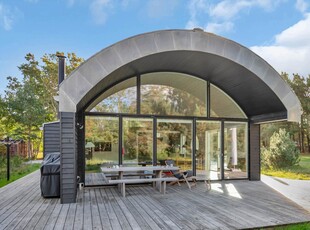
point(51, 137)
point(254, 152)
point(68, 146)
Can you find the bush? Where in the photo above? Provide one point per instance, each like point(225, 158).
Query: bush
point(282, 152)
point(2, 150)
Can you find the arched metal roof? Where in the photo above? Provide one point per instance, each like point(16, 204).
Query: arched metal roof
point(248, 79)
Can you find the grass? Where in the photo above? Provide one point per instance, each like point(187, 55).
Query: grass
point(16, 173)
point(299, 226)
point(298, 172)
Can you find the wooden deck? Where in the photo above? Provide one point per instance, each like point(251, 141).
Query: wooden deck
point(229, 205)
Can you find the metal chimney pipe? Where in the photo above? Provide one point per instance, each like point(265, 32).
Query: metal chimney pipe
point(61, 68)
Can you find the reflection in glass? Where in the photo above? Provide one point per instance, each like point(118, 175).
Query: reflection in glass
point(174, 141)
point(222, 105)
point(121, 98)
point(236, 150)
point(208, 149)
point(137, 141)
point(101, 144)
point(168, 93)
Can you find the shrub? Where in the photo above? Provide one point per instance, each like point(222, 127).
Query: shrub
point(282, 152)
point(2, 150)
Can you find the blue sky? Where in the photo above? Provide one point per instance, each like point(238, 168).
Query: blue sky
point(277, 30)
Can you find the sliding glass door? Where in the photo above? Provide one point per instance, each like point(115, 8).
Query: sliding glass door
point(101, 146)
point(221, 147)
point(208, 149)
point(174, 141)
point(236, 150)
point(137, 146)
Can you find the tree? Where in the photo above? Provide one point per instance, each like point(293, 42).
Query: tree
point(30, 102)
point(299, 133)
point(27, 110)
point(49, 78)
point(282, 152)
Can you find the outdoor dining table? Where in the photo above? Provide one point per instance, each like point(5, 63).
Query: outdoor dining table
point(157, 169)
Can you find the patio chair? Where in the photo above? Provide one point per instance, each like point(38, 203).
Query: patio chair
point(181, 175)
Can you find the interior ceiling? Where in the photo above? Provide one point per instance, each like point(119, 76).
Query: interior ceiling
point(252, 94)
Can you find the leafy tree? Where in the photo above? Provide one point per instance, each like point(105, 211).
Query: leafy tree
point(27, 110)
point(282, 152)
point(30, 102)
point(300, 133)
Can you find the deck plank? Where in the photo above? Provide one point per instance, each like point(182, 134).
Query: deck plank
point(123, 208)
point(229, 205)
point(115, 223)
point(45, 216)
point(104, 218)
point(95, 215)
point(117, 210)
point(147, 220)
point(60, 223)
point(69, 223)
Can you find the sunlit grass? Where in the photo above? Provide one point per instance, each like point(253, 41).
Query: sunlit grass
point(298, 172)
point(300, 226)
point(17, 173)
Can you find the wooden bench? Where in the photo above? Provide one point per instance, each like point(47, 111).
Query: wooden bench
point(123, 182)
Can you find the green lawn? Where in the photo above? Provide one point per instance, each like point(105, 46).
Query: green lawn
point(298, 172)
point(301, 226)
point(17, 171)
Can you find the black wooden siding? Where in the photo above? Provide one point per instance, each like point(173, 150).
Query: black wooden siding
point(81, 147)
point(51, 137)
point(254, 152)
point(68, 177)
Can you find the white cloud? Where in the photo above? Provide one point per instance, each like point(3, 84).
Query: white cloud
point(100, 9)
point(8, 16)
point(291, 50)
point(302, 6)
point(219, 27)
point(161, 8)
point(219, 18)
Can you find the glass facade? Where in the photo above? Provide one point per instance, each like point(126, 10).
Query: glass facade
point(208, 149)
point(174, 141)
point(137, 141)
point(235, 150)
point(173, 94)
point(221, 105)
point(101, 143)
point(148, 119)
point(121, 98)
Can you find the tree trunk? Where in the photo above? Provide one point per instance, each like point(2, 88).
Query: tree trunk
point(29, 148)
point(299, 140)
point(308, 140)
point(302, 133)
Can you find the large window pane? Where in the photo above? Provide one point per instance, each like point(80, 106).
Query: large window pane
point(222, 105)
point(121, 98)
point(208, 149)
point(168, 93)
point(236, 150)
point(101, 145)
point(137, 141)
point(174, 141)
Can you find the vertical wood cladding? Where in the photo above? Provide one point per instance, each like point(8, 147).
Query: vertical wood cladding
point(51, 137)
point(80, 147)
point(68, 140)
point(254, 152)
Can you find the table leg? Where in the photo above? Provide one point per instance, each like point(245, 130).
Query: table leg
point(158, 183)
point(120, 176)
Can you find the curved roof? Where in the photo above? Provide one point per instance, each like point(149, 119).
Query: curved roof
point(257, 88)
